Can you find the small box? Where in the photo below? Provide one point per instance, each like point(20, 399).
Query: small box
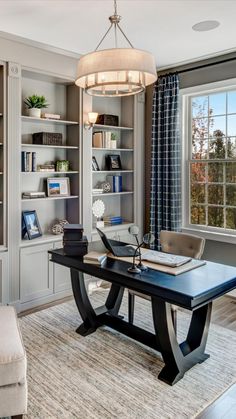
point(73, 232)
point(47, 138)
point(108, 120)
point(76, 247)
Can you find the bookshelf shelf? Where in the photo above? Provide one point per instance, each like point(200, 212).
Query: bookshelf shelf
point(58, 198)
point(112, 193)
point(112, 127)
point(48, 121)
point(117, 227)
point(46, 238)
point(111, 171)
point(43, 173)
point(63, 147)
point(112, 149)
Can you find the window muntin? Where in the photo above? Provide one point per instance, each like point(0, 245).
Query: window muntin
point(212, 163)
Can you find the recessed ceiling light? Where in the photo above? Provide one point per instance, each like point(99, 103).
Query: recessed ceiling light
point(206, 25)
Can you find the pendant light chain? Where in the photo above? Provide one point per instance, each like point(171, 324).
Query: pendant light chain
point(114, 19)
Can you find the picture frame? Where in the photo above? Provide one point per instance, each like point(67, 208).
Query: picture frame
point(30, 225)
point(95, 166)
point(113, 162)
point(58, 186)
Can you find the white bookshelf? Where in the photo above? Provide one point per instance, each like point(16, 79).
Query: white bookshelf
point(116, 203)
point(64, 99)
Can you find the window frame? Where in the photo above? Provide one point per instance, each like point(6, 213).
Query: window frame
point(211, 233)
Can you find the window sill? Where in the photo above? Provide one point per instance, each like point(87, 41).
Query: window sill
point(211, 235)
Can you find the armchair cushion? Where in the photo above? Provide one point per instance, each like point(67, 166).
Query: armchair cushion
point(12, 353)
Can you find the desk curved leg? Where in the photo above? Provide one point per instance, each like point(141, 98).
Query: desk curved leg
point(92, 317)
point(179, 358)
point(84, 306)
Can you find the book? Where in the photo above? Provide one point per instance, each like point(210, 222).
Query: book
point(34, 193)
point(28, 162)
point(23, 161)
point(166, 259)
point(95, 258)
point(115, 182)
point(34, 166)
point(97, 139)
point(47, 115)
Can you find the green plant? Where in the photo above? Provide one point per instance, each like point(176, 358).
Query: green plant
point(36, 101)
point(113, 136)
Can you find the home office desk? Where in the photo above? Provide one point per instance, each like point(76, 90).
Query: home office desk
point(194, 290)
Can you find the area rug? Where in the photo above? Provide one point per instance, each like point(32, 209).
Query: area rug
point(107, 375)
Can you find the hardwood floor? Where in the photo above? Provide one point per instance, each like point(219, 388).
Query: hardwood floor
point(224, 314)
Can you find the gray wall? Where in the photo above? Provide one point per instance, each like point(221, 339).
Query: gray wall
point(214, 251)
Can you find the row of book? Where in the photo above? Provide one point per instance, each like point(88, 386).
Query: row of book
point(112, 220)
point(103, 139)
point(28, 161)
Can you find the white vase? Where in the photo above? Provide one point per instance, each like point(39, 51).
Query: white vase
point(34, 112)
point(113, 144)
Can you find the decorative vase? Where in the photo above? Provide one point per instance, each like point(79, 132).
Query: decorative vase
point(34, 112)
point(113, 144)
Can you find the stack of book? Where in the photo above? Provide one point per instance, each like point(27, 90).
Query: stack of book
point(33, 195)
point(102, 139)
point(111, 220)
point(95, 258)
point(46, 167)
point(28, 161)
point(115, 182)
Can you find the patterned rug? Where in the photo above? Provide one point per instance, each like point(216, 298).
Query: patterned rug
point(107, 375)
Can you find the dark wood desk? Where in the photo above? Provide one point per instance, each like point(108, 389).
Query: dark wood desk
point(193, 290)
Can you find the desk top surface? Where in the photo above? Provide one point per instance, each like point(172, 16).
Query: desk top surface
point(190, 289)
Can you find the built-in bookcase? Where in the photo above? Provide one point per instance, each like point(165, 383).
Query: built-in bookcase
point(3, 148)
point(116, 203)
point(64, 99)
point(129, 134)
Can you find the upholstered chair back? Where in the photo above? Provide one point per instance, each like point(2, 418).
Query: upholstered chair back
point(182, 244)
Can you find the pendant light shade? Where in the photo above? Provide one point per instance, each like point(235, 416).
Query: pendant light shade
point(116, 71)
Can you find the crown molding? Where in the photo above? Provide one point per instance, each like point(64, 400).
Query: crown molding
point(40, 45)
point(198, 59)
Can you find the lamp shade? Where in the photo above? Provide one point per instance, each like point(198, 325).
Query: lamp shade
point(116, 72)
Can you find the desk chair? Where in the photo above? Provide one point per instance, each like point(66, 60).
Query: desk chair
point(178, 244)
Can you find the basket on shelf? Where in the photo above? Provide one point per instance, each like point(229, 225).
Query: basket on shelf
point(47, 138)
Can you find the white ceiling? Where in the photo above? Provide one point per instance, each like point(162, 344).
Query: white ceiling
point(164, 27)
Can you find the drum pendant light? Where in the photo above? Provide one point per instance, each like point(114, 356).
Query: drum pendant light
point(116, 71)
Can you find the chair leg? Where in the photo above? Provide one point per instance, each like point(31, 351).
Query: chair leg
point(174, 319)
point(131, 307)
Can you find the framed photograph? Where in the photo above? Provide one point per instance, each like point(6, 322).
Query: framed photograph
point(113, 162)
point(95, 166)
point(58, 186)
point(30, 225)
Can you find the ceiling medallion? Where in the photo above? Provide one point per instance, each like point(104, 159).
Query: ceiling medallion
point(116, 71)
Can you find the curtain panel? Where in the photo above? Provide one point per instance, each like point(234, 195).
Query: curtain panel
point(165, 176)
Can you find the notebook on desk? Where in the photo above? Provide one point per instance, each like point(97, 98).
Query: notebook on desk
point(166, 259)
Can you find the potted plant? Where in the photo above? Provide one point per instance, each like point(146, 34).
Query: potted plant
point(34, 104)
point(113, 140)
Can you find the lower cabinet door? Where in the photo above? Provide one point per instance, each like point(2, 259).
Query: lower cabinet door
point(36, 272)
point(62, 281)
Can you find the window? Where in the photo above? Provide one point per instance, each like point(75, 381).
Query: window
point(211, 159)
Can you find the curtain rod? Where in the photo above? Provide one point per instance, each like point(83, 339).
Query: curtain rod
point(199, 67)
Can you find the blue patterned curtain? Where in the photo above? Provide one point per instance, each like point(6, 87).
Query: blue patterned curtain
point(165, 197)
